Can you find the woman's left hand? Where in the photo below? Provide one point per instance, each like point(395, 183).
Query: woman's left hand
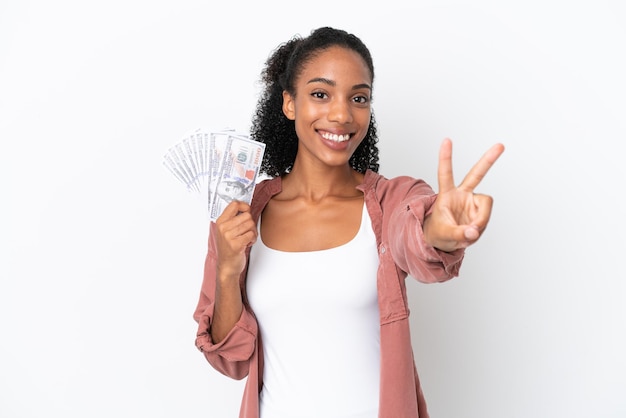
point(459, 216)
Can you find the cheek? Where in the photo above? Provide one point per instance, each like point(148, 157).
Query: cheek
point(367, 115)
point(308, 112)
point(307, 116)
point(364, 120)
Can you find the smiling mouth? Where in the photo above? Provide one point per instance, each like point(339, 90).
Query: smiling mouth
point(335, 137)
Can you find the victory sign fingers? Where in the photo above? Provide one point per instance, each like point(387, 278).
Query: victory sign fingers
point(474, 176)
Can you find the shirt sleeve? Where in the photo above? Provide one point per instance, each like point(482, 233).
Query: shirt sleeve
point(406, 237)
point(232, 355)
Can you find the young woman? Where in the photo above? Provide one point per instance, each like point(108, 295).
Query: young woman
point(304, 290)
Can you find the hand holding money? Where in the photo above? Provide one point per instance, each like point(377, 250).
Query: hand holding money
point(223, 166)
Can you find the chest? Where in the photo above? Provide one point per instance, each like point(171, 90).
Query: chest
point(300, 227)
point(340, 278)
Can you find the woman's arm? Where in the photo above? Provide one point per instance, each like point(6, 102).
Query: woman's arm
point(227, 332)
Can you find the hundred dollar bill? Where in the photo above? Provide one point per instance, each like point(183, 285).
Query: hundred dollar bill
point(186, 161)
point(241, 159)
point(215, 156)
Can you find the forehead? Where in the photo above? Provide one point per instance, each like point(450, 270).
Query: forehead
point(336, 63)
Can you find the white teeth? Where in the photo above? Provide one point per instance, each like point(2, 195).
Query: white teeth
point(335, 137)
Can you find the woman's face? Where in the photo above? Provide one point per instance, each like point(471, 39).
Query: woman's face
point(331, 108)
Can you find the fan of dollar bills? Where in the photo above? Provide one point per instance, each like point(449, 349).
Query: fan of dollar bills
point(222, 166)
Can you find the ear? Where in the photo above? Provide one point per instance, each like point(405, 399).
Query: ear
point(289, 107)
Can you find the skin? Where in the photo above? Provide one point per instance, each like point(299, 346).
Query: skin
point(319, 206)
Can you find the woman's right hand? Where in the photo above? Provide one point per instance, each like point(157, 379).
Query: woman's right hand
point(236, 232)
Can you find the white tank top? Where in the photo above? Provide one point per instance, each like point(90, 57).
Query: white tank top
point(319, 322)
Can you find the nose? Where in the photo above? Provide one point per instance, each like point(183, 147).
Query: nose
point(340, 111)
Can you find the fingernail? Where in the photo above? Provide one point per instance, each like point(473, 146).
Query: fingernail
point(471, 233)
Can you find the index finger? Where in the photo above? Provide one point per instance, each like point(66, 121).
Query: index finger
point(445, 176)
point(479, 170)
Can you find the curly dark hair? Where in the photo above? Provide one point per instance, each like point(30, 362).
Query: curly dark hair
point(282, 68)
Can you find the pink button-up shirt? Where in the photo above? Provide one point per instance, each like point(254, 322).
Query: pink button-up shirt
point(397, 208)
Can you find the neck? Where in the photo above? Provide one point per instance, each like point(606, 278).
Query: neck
point(316, 183)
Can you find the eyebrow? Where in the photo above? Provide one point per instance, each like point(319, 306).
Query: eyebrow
point(332, 83)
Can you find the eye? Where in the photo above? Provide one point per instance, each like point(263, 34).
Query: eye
point(361, 99)
point(319, 95)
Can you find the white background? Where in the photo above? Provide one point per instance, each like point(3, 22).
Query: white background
point(102, 249)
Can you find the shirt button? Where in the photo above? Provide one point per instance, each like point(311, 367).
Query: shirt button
point(382, 249)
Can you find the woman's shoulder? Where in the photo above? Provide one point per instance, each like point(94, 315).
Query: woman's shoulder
point(263, 192)
point(267, 182)
point(400, 184)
